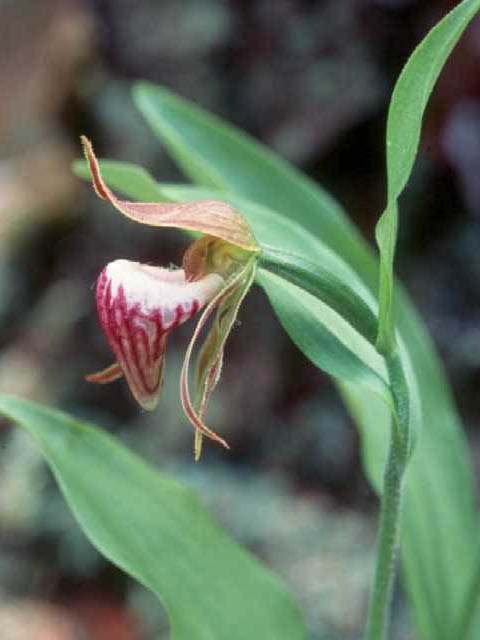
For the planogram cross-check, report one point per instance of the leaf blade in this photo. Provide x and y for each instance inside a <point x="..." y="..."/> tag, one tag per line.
<point x="407" y="106"/>
<point x="324" y="285"/>
<point x="324" y="337"/>
<point x="156" y="530"/>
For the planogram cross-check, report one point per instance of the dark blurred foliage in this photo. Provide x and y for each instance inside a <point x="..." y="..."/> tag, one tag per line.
<point x="312" y="80"/>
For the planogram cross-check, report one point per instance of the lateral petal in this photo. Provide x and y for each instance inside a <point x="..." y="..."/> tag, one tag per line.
<point x="209" y="377"/>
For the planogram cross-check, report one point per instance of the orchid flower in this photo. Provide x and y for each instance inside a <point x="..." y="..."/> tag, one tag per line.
<point x="139" y="305"/>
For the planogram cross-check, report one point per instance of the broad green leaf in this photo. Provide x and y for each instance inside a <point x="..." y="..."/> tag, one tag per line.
<point x="439" y="505"/>
<point x="156" y="530"/>
<point x="208" y="161"/>
<point x="407" y="106"/>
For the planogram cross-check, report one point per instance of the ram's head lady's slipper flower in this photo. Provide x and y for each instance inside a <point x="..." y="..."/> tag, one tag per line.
<point x="139" y="305"/>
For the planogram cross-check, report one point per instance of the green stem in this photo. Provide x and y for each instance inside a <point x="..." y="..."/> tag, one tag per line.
<point x="380" y="599"/>
<point x="471" y="602"/>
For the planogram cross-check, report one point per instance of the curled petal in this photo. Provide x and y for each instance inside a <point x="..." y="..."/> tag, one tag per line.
<point x="138" y="307"/>
<point x="210" y="358"/>
<point x="236" y="289"/>
<point x="211" y="217"/>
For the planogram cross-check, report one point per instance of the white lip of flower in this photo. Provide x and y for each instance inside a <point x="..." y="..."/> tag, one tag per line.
<point x="138" y="306"/>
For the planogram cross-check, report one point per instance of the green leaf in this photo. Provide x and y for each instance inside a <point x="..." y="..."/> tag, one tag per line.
<point x="440" y="525"/>
<point x="325" y="337"/>
<point x="156" y="530"/>
<point x="407" y="106"/>
<point x="325" y="285"/>
<point x="216" y="155"/>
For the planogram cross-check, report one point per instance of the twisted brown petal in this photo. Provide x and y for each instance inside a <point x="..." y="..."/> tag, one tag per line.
<point x="213" y="360"/>
<point x="211" y="217"/>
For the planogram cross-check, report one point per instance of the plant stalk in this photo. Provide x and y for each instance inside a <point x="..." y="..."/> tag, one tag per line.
<point x="378" y="618"/>
<point x="472" y="602"/>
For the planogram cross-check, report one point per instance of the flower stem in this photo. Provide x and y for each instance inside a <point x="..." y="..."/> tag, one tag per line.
<point x="380" y="599"/>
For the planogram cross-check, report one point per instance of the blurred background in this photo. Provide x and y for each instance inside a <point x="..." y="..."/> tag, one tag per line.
<point x="311" y="79"/>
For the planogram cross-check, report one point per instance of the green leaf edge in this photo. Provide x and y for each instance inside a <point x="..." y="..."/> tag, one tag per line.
<point x="398" y="172"/>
